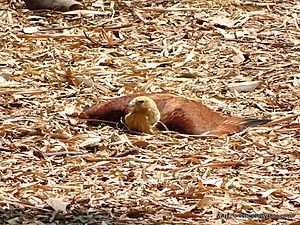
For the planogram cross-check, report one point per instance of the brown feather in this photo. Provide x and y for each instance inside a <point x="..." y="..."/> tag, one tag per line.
<point x="177" y="113"/>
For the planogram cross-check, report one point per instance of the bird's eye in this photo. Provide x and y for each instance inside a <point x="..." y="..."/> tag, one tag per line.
<point x="141" y="101"/>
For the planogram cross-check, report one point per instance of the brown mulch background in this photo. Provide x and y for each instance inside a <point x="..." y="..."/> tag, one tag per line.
<point x="57" y="170"/>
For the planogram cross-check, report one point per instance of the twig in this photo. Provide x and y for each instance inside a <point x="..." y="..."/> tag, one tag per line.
<point x="4" y="149"/>
<point x="54" y="36"/>
<point x="139" y="16"/>
<point x="118" y="27"/>
<point x="67" y="95"/>
<point x="281" y="45"/>
<point x="59" y="28"/>
<point x="164" y="125"/>
<point x="24" y="205"/>
<point x="126" y="153"/>
<point x="90" y="39"/>
<point x="275" y="122"/>
<point x="169" y="9"/>
<point x="204" y="135"/>
<point x="64" y="153"/>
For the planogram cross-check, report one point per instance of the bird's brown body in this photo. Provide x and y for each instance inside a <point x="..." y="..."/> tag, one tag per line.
<point x="143" y="116"/>
<point x="177" y="113"/>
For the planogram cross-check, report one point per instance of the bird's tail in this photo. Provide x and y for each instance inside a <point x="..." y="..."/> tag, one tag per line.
<point x="256" y="122"/>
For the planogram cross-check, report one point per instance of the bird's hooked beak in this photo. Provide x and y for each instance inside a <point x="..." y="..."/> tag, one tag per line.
<point x="131" y="104"/>
<point x="136" y="102"/>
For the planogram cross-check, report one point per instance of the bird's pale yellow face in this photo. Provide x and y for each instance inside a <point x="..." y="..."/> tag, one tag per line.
<point x="141" y="102"/>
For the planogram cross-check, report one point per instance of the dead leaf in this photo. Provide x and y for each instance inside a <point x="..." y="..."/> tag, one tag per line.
<point x="239" y="56"/>
<point x="86" y="13"/>
<point x="224" y="164"/>
<point x="58" y="204"/>
<point x="268" y="192"/>
<point x="30" y="30"/>
<point x="187" y="215"/>
<point x="247" y="86"/>
<point x="204" y="202"/>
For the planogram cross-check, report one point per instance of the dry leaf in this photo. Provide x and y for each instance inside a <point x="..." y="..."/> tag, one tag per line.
<point x="30" y="30"/>
<point x="204" y="202"/>
<point x="58" y="204"/>
<point x="90" y="141"/>
<point x="268" y="192"/>
<point x="238" y="57"/>
<point x="86" y="13"/>
<point x="187" y="215"/>
<point x="243" y="86"/>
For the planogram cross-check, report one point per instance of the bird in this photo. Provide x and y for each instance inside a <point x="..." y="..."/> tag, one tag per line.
<point x="143" y="116"/>
<point x="177" y="113"/>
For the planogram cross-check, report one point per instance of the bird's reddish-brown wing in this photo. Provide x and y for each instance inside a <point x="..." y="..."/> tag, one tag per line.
<point x="185" y="115"/>
<point x="177" y="113"/>
<point x="112" y="110"/>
